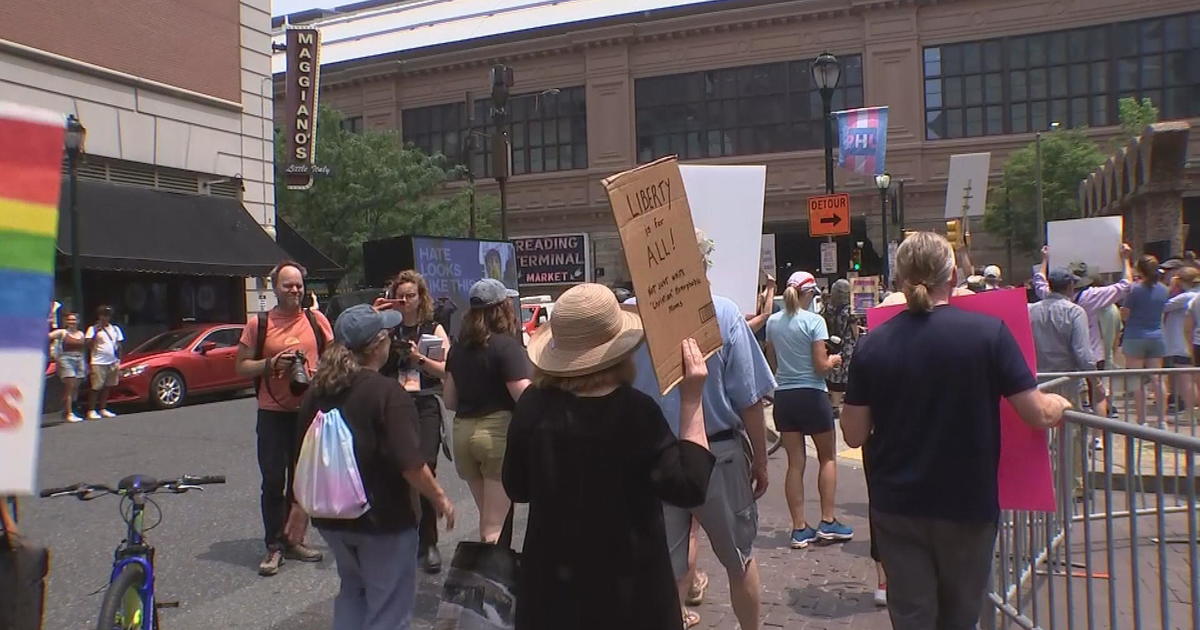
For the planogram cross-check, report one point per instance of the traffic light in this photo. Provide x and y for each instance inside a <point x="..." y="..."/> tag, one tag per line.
<point x="856" y="259"/>
<point x="954" y="233"/>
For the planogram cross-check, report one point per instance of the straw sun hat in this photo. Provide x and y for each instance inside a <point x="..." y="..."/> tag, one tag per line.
<point x="588" y="332"/>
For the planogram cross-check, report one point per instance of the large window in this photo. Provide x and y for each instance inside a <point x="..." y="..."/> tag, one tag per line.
<point x="548" y="131"/>
<point x="765" y="108"/>
<point x="1075" y="77"/>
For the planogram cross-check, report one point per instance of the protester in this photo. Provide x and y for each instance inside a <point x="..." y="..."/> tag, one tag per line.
<point x="765" y="303"/>
<point x="993" y="278"/>
<point x="924" y="396"/>
<point x="486" y="372"/>
<point x="841" y="324"/>
<point x="796" y="349"/>
<point x="103" y="340"/>
<point x="1176" y="339"/>
<point x="595" y="459"/>
<point x="66" y="347"/>
<point x="376" y="553"/>
<point x="268" y="350"/>
<point x="739" y="380"/>
<point x="1143" y="345"/>
<point x="421" y="376"/>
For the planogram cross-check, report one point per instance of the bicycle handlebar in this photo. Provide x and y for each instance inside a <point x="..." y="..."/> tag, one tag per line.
<point x="83" y="490"/>
<point x="202" y="480"/>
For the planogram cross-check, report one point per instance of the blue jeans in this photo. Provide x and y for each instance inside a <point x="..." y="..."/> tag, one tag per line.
<point x="379" y="579"/>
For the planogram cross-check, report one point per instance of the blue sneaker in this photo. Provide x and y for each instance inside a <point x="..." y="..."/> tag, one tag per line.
<point x="802" y="537"/>
<point x="834" y="532"/>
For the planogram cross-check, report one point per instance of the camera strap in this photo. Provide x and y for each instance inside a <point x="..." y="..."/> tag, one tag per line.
<point x="260" y="343"/>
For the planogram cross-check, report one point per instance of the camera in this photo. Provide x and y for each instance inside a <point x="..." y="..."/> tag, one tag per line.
<point x="833" y="344"/>
<point x="298" y="377"/>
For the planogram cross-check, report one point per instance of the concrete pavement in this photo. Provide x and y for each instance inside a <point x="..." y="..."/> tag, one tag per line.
<point x="209" y="543"/>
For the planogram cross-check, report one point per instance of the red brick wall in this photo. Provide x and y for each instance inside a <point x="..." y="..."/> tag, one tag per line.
<point x="192" y="44"/>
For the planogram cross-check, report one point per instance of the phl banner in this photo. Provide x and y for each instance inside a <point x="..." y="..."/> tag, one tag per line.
<point x="862" y="139"/>
<point x="31" y="147"/>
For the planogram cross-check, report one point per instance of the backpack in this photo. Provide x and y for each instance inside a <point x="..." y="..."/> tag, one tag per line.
<point x="328" y="483"/>
<point x="261" y="339"/>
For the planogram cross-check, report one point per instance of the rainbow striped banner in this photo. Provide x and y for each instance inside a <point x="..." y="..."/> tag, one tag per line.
<point x="31" y="150"/>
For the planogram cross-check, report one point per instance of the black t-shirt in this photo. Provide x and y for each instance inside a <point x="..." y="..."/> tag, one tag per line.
<point x="383" y="419"/>
<point x="933" y="382"/>
<point x="401" y="334"/>
<point x="482" y="372"/>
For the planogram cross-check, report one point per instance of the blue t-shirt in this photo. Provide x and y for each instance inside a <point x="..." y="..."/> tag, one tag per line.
<point x="792" y="337"/>
<point x="1145" y="306"/>
<point x="738" y="374"/>
<point x="933" y="383"/>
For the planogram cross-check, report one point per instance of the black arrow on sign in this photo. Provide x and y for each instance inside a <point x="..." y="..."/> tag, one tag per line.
<point x="835" y="219"/>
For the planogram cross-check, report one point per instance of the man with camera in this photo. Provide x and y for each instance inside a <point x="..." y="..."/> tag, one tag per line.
<point x="280" y="349"/>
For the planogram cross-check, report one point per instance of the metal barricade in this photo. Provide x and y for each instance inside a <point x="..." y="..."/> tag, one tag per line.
<point x="1121" y="549"/>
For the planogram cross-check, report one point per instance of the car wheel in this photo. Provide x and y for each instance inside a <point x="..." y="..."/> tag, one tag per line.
<point x="167" y="390"/>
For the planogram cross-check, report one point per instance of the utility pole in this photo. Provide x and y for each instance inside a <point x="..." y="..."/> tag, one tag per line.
<point x="502" y="81"/>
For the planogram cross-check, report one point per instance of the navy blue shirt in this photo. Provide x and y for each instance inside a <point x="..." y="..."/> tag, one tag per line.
<point x="933" y="382"/>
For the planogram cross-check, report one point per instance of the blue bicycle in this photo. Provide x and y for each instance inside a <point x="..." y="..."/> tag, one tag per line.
<point x="129" y="599"/>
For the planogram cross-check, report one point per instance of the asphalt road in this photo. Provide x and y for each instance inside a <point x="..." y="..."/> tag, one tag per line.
<point x="208" y="543"/>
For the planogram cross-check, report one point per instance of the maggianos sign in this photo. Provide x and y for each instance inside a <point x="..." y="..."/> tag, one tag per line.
<point x="303" y="76"/>
<point x="553" y="259"/>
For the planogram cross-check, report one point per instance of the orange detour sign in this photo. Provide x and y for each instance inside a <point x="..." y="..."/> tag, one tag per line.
<point x="829" y="215"/>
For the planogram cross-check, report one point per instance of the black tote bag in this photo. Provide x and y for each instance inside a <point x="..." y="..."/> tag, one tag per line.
<point x="480" y="591"/>
<point x="23" y="571"/>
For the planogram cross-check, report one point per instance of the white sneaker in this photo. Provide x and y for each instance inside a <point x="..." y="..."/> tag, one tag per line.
<point x="92" y="415"/>
<point x="107" y="414"/>
<point x="881" y="596"/>
<point x="74" y="418"/>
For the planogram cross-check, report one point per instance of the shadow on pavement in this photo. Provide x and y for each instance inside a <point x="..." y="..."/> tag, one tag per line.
<point x="849" y="599"/>
<point x="242" y="553"/>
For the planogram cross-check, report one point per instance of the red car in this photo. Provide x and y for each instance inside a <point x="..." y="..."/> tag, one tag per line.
<point x="194" y="359"/>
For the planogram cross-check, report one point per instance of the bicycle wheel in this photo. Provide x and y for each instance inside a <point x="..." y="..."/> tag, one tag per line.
<point x="122" y="608"/>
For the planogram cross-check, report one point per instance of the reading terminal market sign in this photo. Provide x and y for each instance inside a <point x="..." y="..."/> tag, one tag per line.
<point x="302" y="79"/>
<point x="553" y="259"/>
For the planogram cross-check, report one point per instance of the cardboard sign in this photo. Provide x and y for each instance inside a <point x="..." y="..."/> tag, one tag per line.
<point x="654" y="220"/>
<point x="829" y="215"/>
<point x="966" y="192"/>
<point x="727" y="205"/>
<point x="1095" y="241"/>
<point x="769" y="262"/>
<point x="31" y="151"/>
<point x="1025" y="479"/>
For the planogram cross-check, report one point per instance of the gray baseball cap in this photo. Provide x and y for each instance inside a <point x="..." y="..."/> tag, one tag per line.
<point x="358" y="325"/>
<point x="490" y="292"/>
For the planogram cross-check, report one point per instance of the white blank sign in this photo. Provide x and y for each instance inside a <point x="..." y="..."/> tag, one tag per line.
<point x="727" y="205"/>
<point x="1095" y="241"/>
<point x="968" y="185"/>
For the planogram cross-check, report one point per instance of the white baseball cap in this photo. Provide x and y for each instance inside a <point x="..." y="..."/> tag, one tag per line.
<point x="992" y="271"/>
<point x="803" y="281"/>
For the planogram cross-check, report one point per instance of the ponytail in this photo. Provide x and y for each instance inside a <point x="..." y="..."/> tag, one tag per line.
<point x="791" y="301"/>
<point x="1147" y="265"/>
<point x="924" y="261"/>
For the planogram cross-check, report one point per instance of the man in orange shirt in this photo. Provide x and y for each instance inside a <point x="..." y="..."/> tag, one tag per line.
<point x="268" y="356"/>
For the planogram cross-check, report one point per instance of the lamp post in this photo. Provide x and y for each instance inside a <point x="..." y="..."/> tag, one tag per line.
<point x="73" y="140"/>
<point x="883" y="182"/>
<point x="1037" y="157"/>
<point x="502" y="80"/>
<point x="826" y="73"/>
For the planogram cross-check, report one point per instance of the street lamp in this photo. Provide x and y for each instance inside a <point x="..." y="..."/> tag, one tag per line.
<point x="883" y="182"/>
<point x="502" y="81"/>
<point x="826" y="72"/>
<point x="74" y="138"/>
<point x="1041" y="212"/>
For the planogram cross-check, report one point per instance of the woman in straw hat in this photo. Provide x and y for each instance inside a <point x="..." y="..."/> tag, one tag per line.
<point x="595" y="459"/>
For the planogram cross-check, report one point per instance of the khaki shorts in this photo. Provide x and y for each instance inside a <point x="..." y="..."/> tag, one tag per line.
<point x="479" y="445"/>
<point x="105" y="375"/>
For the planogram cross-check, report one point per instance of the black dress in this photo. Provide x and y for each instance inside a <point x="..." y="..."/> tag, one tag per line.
<point x="594" y="472"/>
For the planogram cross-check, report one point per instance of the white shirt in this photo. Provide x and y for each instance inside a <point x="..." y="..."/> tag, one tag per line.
<point x="104" y="351"/>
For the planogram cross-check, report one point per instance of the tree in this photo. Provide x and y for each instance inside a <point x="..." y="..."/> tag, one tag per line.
<point x="1135" y="117"/>
<point x="379" y="188"/>
<point x="1067" y="157"/>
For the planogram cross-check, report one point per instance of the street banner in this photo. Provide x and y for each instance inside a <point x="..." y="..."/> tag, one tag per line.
<point x="967" y="188"/>
<point x="1024" y="475"/>
<point x="651" y="210"/>
<point x="767" y="248"/>
<point x="1095" y="241"/>
<point x="553" y="259"/>
<point x="31" y="151"/>
<point x="727" y="205"/>
<point x="862" y="136"/>
<point x="302" y="86"/>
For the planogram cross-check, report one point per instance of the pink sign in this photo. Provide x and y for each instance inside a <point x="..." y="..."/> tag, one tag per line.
<point x="1025" y="477"/>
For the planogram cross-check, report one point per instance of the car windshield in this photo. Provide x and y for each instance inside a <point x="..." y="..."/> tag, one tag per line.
<point x="526" y="315"/>
<point x="170" y="340"/>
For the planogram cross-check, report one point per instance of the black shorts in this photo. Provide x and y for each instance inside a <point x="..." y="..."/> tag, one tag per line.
<point x="836" y="387"/>
<point x="803" y="410"/>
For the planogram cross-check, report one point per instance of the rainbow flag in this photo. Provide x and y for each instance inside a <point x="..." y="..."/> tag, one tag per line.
<point x="31" y="150"/>
<point x="862" y="139"/>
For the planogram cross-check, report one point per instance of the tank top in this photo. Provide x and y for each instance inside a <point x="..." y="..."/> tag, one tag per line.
<point x="72" y="342"/>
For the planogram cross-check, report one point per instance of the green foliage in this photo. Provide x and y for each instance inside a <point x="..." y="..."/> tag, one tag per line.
<point x="1135" y="116"/>
<point x="1067" y="157"/>
<point x="379" y="188"/>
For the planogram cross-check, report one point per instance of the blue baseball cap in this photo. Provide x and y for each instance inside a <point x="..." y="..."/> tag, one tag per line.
<point x="1061" y="278"/>
<point x="489" y="292"/>
<point x="358" y="325"/>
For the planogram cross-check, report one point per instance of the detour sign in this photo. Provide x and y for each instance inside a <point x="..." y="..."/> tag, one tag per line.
<point x="829" y="215"/>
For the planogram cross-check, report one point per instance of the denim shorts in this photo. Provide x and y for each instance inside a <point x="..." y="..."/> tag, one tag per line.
<point x="70" y="365"/>
<point x="1143" y="348"/>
